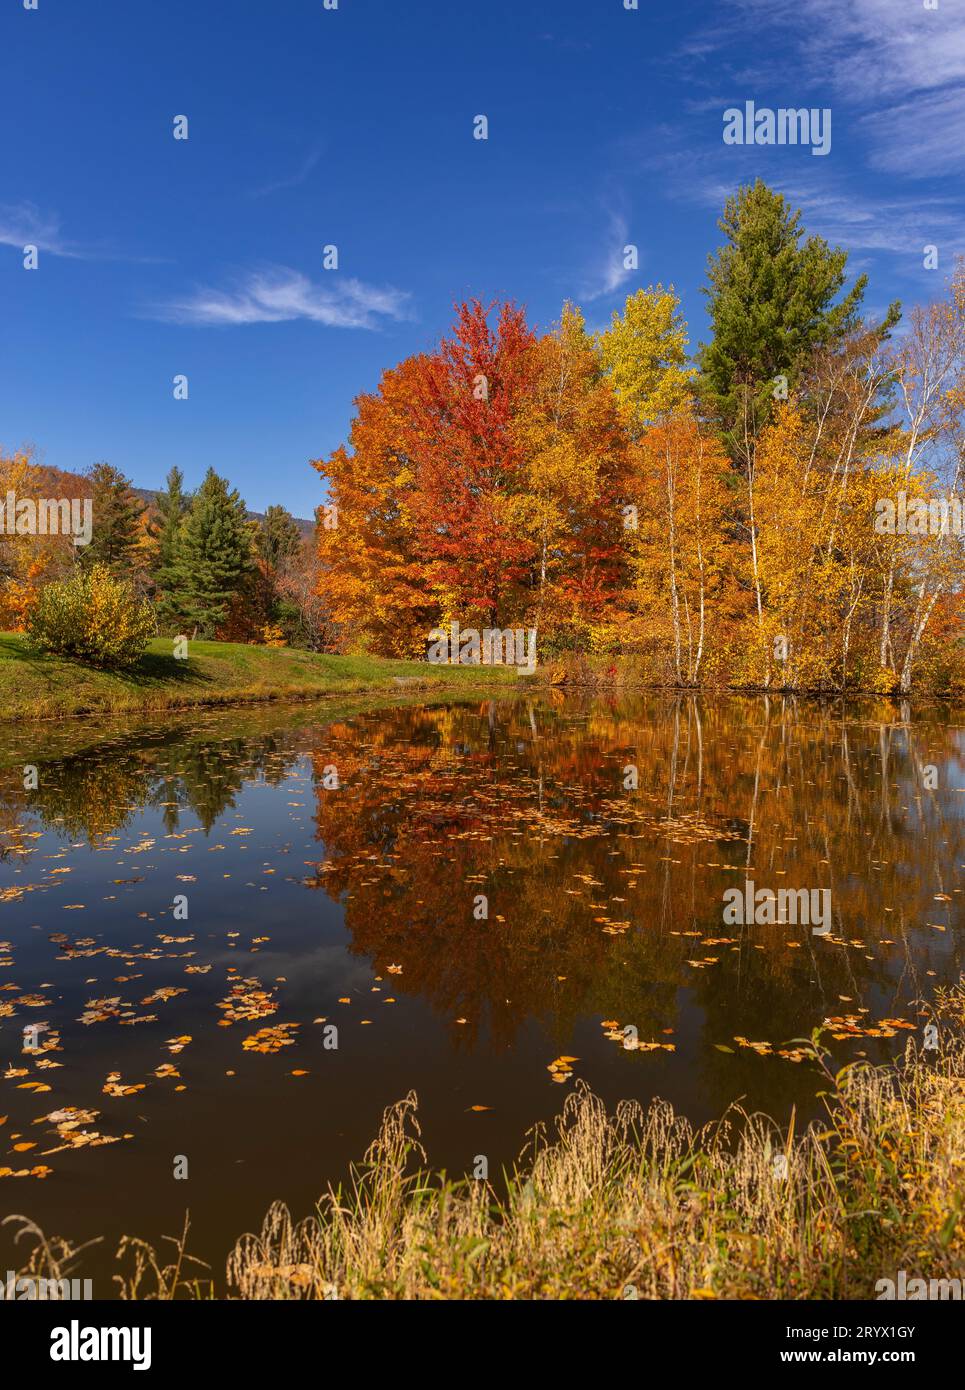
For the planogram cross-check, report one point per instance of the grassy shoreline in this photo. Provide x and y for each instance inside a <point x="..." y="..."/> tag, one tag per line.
<point x="216" y="673"/>
<point x="35" y="687"/>
<point x="632" y="1205"/>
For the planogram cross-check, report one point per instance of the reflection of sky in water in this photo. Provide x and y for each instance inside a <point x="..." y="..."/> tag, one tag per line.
<point x="605" y="907"/>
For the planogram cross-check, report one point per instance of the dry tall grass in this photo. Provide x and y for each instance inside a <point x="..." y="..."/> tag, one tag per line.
<point x="640" y="1204"/>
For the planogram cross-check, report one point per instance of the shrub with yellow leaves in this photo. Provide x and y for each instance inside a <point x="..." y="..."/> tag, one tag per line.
<point x="93" y="617"/>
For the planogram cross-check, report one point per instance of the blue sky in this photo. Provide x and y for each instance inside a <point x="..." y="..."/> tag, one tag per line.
<point x="354" y="127"/>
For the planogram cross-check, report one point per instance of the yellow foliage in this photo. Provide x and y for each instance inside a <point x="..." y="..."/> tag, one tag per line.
<point x="93" y="617"/>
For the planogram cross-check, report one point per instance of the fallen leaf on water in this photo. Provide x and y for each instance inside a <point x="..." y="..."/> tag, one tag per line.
<point x="269" y="1039"/>
<point x="114" y="1086"/>
<point x="560" y="1070"/>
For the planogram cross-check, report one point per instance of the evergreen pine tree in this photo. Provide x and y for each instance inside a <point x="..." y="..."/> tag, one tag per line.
<point x="278" y="537"/>
<point x="772" y="303"/>
<point x="172" y="506"/>
<point x="118" y="516"/>
<point x="213" y="555"/>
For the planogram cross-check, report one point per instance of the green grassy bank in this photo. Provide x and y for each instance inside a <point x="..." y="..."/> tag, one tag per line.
<point x="216" y="673"/>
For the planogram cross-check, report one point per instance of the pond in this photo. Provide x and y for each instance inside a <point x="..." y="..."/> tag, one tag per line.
<point x="228" y="941"/>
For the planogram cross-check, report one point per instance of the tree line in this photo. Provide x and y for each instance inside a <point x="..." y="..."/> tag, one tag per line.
<point x="714" y="519"/>
<point x="707" y="518"/>
<point x="207" y="568"/>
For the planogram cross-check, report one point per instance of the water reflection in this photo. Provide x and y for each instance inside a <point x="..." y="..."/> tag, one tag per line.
<point x="604" y="898"/>
<point x="339" y="859"/>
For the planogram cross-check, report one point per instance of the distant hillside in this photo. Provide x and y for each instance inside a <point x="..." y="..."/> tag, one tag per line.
<point x="59" y="483"/>
<point x="149" y="496"/>
<point x="48" y="481"/>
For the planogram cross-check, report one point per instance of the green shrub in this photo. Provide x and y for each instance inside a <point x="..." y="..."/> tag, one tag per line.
<point x="94" y="617"/>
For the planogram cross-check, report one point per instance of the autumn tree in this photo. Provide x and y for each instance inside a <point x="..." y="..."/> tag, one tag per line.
<point x="929" y="368"/>
<point x="372" y="563"/>
<point x="470" y="465"/>
<point x="484" y="484"/>
<point x="29" y="561"/>
<point x="814" y="540"/>
<point x="644" y="356"/>
<point x="573" y="488"/>
<point x="831" y="582"/>
<point x="680" y="500"/>
<point x="302" y="611"/>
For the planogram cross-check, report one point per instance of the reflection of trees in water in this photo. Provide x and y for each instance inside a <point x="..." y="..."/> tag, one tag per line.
<point x="437" y="805"/>
<point x="100" y="791"/>
<point x="525" y="802"/>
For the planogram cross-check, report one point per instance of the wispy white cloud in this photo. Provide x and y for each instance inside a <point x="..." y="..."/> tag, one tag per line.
<point x="864" y="221"/>
<point x="870" y="49"/>
<point x="610" y="273"/>
<point x="292" y="180"/>
<point x="280" y="295"/>
<point x="573" y="45"/>
<point x="922" y="136"/>
<point x="857" y="216"/>
<point x="23" y="224"/>
<point x="898" y="67"/>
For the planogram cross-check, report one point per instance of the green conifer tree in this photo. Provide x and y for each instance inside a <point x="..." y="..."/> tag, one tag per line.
<point x="172" y="507"/>
<point x="773" y="300"/>
<point x="117" y="523"/>
<point x="278" y="537"/>
<point x="213" y="555"/>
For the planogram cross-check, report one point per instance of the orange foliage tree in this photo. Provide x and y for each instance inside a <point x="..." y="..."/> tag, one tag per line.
<point x="27" y="562"/>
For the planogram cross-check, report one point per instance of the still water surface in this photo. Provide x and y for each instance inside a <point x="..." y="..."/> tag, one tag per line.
<point x="171" y="889"/>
